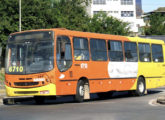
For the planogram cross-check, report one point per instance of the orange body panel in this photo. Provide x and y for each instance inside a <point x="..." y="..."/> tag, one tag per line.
<point x="96" y="73"/>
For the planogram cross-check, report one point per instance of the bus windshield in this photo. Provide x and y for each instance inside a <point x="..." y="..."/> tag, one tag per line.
<point x="29" y="56"/>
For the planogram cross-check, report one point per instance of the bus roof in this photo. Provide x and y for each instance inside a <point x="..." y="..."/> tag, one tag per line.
<point x="64" y="31"/>
<point x="138" y="39"/>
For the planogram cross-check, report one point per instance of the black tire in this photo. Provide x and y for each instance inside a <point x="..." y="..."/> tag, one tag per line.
<point x="141" y="87"/>
<point x="39" y="100"/>
<point x="105" y="95"/>
<point x="80" y="91"/>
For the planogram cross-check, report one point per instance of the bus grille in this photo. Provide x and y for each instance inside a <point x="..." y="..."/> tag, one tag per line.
<point x="25" y="78"/>
<point x="26" y="83"/>
<point x="26" y="92"/>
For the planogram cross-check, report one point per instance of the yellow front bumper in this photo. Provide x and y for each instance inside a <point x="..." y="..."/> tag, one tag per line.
<point x="48" y="90"/>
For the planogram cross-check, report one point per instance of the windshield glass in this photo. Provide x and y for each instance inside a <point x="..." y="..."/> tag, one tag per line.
<point x="32" y="56"/>
<point x="15" y="58"/>
<point x="39" y="57"/>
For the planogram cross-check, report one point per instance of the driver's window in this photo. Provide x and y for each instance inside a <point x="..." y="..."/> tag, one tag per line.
<point x="63" y="53"/>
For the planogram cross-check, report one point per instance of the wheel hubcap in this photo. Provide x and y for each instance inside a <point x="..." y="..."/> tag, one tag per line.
<point x="81" y="91"/>
<point x="141" y="87"/>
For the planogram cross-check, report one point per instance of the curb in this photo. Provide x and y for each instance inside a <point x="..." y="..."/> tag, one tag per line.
<point x="161" y="100"/>
<point x="15" y="100"/>
<point x="1" y="100"/>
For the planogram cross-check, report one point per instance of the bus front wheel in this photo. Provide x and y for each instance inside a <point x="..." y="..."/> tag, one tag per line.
<point x="141" y="87"/>
<point x="80" y="91"/>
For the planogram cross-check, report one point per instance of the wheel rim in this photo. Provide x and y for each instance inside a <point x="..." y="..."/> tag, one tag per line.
<point x="81" y="91"/>
<point x="141" y="87"/>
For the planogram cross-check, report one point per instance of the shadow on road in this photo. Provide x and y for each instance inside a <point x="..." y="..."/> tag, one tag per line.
<point x="70" y="99"/>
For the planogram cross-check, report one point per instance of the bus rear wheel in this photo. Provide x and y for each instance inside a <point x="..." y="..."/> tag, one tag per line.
<point x="80" y="91"/>
<point x="141" y="87"/>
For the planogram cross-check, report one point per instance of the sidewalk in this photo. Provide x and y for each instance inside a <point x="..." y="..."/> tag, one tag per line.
<point x="2" y="95"/>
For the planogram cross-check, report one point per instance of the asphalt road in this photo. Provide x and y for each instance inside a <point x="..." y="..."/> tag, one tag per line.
<point x="120" y="107"/>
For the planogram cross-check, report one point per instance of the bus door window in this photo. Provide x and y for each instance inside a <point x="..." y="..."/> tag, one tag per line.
<point x="81" y="50"/>
<point x="64" y="53"/>
<point x="144" y="52"/>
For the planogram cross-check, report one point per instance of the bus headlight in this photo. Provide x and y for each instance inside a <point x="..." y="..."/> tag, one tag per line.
<point x="44" y="92"/>
<point x="38" y="79"/>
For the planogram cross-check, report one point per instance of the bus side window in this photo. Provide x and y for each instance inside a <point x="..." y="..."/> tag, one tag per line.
<point x="63" y="53"/>
<point x="157" y="53"/>
<point x="144" y="52"/>
<point x="115" y="51"/>
<point x="98" y="50"/>
<point x="81" y="50"/>
<point x="130" y="49"/>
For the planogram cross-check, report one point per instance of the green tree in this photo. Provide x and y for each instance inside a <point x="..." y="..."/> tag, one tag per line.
<point x="156" y="24"/>
<point x="35" y="14"/>
<point x="8" y="19"/>
<point x="102" y="23"/>
<point x="70" y="14"/>
<point x="41" y="14"/>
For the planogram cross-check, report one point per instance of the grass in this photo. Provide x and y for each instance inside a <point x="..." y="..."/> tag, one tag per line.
<point x="2" y="75"/>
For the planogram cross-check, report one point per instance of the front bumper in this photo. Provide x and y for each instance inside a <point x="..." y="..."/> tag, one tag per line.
<point x="48" y="90"/>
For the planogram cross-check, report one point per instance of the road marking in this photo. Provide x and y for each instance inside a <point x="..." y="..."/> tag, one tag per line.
<point x="87" y="103"/>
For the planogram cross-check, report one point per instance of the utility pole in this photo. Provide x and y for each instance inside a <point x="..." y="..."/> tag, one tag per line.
<point x="20" y="15"/>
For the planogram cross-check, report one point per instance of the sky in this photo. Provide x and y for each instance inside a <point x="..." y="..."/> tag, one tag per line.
<point x="150" y="5"/>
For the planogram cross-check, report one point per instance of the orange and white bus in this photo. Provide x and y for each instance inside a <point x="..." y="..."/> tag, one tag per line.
<point x="58" y="62"/>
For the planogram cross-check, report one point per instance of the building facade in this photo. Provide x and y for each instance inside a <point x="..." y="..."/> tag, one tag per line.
<point x="139" y="10"/>
<point x="125" y="10"/>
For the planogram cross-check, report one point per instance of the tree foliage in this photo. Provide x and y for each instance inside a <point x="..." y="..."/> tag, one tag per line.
<point x="41" y="14"/>
<point x="156" y="24"/>
<point x="70" y="14"/>
<point x="102" y="23"/>
<point x="8" y="19"/>
<point x="160" y="9"/>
